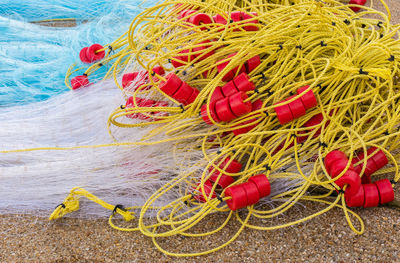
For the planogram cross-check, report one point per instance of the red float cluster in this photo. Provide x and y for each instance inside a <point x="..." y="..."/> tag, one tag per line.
<point x="356" y="2"/>
<point x="227" y="109"/>
<point x="222" y="96"/>
<point x="248" y="67"/>
<point x="178" y="89"/>
<point x="140" y="102"/>
<point x="92" y="54"/>
<point x="335" y="163"/>
<point x="254" y="107"/>
<point x="357" y="193"/>
<point x="222" y="180"/>
<point x="297" y="108"/>
<point x="374" y="163"/>
<point x="199" y="53"/>
<point x="371" y="195"/>
<point x="249" y="193"/>
<point x="79" y="82"/>
<point x="140" y="77"/>
<point x="236" y="16"/>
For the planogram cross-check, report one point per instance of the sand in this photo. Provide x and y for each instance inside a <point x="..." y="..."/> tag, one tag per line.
<point x="327" y="238"/>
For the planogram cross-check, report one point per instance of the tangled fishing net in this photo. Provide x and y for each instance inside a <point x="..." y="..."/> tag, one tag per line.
<point x="243" y="109"/>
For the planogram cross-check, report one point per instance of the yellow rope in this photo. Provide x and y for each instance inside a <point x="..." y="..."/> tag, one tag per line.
<point x="349" y="60"/>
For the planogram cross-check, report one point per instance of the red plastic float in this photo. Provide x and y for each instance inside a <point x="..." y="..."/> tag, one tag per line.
<point x="171" y="85"/>
<point x="237" y="104"/>
<point x="335" y="163"/>
<point x="354" y="200"/>
<point x="296" y="107"/>
<point x="199" y="19"/>
<point x="242" y="83"/>
<point x="95" y="53"/>
<point x="204" y="115"/>
<point x="82" y="55"/>
<point x="178" y="89"/>
<point x="222" y="180"/>
<point x="262" y="183"/>
<point x="223" y="110"/>
<point x="356" y="2"/>
<point x="238" y="16"/>
<point x="252" y="15"/>
<point x="371" y="195"/>
<point x="207" y="189"/>
<point x="248" y="193"/>
<point x="374" y="163"/>
<point x="252" y="63"/>
<point x="385" y="189"/>
<point x="229" y="89"/>
<point x="287" y="113"/>
<point x="79" y="82"/>
<point x="309" y="100"/>
<point x="239" y="197"/>
<point x="255" y="106"/>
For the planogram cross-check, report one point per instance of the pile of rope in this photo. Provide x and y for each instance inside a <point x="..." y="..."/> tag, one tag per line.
<point x="285" y="102"/>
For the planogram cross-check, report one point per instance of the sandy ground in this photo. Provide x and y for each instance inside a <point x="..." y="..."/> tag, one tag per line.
<point x="327" y="238"/>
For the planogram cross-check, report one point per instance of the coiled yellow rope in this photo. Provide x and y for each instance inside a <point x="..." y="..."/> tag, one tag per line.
<point x="349" y="60"/>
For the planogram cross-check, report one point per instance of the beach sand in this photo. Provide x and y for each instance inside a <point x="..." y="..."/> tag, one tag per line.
<point x="327" y="238"/>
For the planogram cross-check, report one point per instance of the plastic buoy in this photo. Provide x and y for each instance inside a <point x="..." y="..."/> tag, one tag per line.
<point x="222" y="180"/>
<point x="186" y="13"/>
<point x="229" y="89"/>
<point x="183" y="94"/>
<point x="171" y="85"/>
<point x="332" y="157"/>
<point x="79" y="82"/>
<point x="308" y="98"/>
<point x="82" y="55"/>
<point x="219" y="19"/>
<point x="252" y="193"/>
<point x="229" y="166"/>
<point x="356" y="2"/>
<point x="352" y="180"/>
<point x="193" y="97"/>
<point x="339" y="166"/>
<point x="262" y="183"/>
<point x="252" y="63"/>
<point x="223" y="110"/>
<point x="237" y="104"/>
<point x="296" y="107"/>
<point x="284" y="114"/>
<point x="354" y="200"/>
<point x="204" y="115"/>
<point x="238" y="197"/>
<point x="254" y="106"/>
<point x="207" y="189"/>
<point x="385" y="189"/>
<point x="371" y="195"/>
<point x="182" y="59"/>
<point x="95" y="53"/>
<point x="216" y="95"/>
<point x="200" y="19"/>
<point x="252" y="15"/>
<point x="374" y="163"/>
<point x="231" y="74"/>
<point x="248" y="193"/>
<point x="243" y="83"/>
